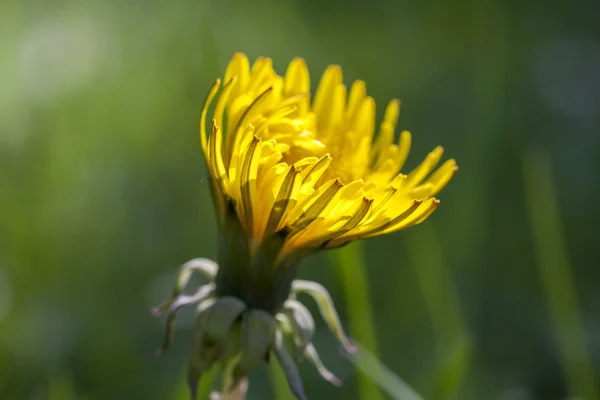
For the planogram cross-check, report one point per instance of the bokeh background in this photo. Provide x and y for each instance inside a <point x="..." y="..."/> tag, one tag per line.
<point x="103" y="192"/>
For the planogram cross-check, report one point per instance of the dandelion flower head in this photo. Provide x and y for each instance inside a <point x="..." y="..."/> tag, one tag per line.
<point x="315" y="172"/>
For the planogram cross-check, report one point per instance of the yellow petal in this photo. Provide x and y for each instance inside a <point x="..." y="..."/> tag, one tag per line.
<point x="221" y="102"/>
<point x="358" y="91"/>
<point x="297" y="82"/>
<point x="247" y="182"/>
<point x="216" y="160"/>
<point x="284" y="198"/>
<point x="238" y="66"/>
<point x="404" y="146"/>
<point x="314" y="204"/>
<point x="237" y="155"/>
<point x="332" y="78"/>
<point x="424" y="209"/>
<point x="261" y="75"/>
<point x="311" y="175"/>
<point x="442" y="176"/>
<point x="392" y="112"/>
<point x="209" y="97"/>
<point x="343" y="225"/>
<point x="419" y="173"/>
<point x="268" y="180"/>
<point x="232" y="140"/>
<point x="364" y="122"/>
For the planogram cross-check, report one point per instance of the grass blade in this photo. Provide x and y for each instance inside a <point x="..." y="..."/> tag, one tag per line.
<point x="380" y="374"/>
<point x="556" y="275"/>
<point x="452" y="342"/>
<point x="351" y="271"/>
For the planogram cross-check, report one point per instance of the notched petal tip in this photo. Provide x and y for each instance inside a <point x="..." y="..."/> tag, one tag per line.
<point x="455" y="164"/>
<point x="231" y="80"/>
<point x="392" y="112"/>
<point x="334" y="68"/>
<point x="299" y="60"/>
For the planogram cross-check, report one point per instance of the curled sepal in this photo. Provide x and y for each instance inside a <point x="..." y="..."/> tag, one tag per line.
<point x="289" y="367"/>
<point x="311" y="354"/>
<point x="327" y="309"/>
<point x="257" y="334"/>
<point x="296" y="320"/>
<point x="302" y="323"/>
<point x="203" y="293"/>
<point x="205" y="266"/>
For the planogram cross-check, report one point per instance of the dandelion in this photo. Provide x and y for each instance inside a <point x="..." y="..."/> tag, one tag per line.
<point x="290" y="177"/>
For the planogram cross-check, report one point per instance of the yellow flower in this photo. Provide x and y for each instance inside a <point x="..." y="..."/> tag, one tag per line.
<point x="315" y="173"/>
<point x="290" y="177"/>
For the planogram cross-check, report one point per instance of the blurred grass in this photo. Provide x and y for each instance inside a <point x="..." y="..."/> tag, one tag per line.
<point x="373" y="368"/>
<point x="556" y="274"/>
<point x="452" y="343"/>
<point x="60" y="388"/>
<point x="351" y="272"/>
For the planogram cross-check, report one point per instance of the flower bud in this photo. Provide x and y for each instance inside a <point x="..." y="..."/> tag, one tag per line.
<point x="211" y="332"/>
<point x="258" y="330"/>
<point x="219" y="319"/>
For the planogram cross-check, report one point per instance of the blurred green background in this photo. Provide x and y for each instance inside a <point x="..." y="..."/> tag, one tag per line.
<point x="103" y="192"/>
